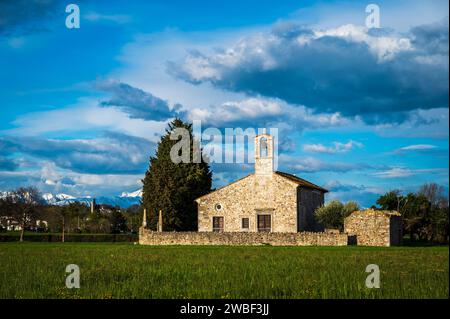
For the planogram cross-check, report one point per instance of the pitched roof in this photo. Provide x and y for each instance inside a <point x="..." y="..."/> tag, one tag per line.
<point x="301" y="181"/>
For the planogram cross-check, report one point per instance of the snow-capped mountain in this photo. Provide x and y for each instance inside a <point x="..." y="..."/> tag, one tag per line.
<point x="125" y="200"/>
<point x="121" y="201"/>
<point x="53" y="199"/>
<point x="137" y="193"/>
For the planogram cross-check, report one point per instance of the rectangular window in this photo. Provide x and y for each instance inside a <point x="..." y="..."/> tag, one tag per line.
<point x="245" y="223"/>
<point x="218" y="224"/>
<point x="264" y="223"/>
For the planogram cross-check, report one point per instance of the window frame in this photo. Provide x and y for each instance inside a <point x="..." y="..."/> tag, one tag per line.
<point x="265" y="219"/>
<point x="247" y="221"/>
<point x="220" y="222"/>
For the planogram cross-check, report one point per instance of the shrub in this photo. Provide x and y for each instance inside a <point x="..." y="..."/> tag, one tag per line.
<point x="332" y="215"/>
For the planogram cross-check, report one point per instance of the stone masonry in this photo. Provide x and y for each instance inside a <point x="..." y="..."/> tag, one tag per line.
<point x="374" y="228"/>
<point x="274" y="208"/>
<point x="149" y="237"/>
<point x="288" y="200"/>
<point x="247" y="198"/>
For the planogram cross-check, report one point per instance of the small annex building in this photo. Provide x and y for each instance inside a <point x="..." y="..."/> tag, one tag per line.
<point x="372" y="227"/>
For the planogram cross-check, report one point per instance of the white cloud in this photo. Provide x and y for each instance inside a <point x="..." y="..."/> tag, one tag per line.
<point x="116" y="18"/>
<point x="337" y="147"/>
<point x="144" y="65"/>
<point x="364" y="195"/>
<point x="384" y="47"/>
<point x="400" y="14"/>
<point x="52" y="179"/>
<point x="251" y="112"/>
<point x="417" y="147"/>
<point x="400" y="172"/>
<point x="395" y="173"/>
<point x="349" y="69"/>
<point x="431" y="123"/>
<point x="312" y="165"/>
<point x="85" y="115"/>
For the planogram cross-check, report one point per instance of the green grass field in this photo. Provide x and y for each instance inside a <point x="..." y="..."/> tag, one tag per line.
<point x="37" y="270"/>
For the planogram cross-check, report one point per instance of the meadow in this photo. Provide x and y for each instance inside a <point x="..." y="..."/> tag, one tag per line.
<point x="124" y="270"/>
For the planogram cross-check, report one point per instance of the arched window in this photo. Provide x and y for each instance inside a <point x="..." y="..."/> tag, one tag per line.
<point x="263" y="147"/>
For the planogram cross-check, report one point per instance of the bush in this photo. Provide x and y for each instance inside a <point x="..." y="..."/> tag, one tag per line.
<point x="332" y="214"/>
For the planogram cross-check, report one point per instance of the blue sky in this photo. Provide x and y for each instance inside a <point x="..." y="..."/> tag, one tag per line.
<point x="359" y="111"/>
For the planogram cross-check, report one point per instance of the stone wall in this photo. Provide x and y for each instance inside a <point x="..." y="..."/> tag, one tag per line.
<point x="248" y="197"/>
<point x="148" y="237"/>
<point x="374" y="228"/>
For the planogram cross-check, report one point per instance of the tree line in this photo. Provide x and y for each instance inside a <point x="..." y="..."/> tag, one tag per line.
<point x="25" y="209"/>
<point x="425" y="213"/>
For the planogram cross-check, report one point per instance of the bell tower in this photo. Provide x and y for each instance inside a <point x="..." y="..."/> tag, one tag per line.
<point x="263" y="154"/>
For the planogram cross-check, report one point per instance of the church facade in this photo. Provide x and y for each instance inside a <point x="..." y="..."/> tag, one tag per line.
<point x="264" y="201"/>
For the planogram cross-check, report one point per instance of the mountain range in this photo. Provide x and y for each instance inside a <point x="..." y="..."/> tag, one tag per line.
<point x="125" y="200"/>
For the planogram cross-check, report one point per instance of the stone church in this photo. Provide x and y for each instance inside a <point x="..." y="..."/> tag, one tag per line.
<point x="264" y="201"/>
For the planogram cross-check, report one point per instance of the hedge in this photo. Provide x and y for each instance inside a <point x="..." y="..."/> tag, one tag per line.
<point x="56" y="237"/>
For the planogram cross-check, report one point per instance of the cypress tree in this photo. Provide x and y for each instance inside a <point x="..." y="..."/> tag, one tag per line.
<point x="172" y="188"/>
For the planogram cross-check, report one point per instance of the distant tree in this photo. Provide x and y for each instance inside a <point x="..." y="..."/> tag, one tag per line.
<point x="332" y="214"/>
<point x="98" y="223"/>
<point x="6" y="205"/>
<point x="391" y="201"/>
<point x="350" y="207"/>
<point x="425" y="213"/>
<point x="50" y="213"/>
<point x="415" y="212"/>
<point x="82" y="213"/>
<point x="173" y="187"/>
<point x="439" y="225"/>
<point x="64" y="213"/>
<point x="435" y="194"/>
<point x="26" y="203"/>
<point x="68" y="214"/>
<point x="436" y="223"/>
<point x="133" y="215"/>
<point x="118" y="222"/>
<point x="77" y="213"/>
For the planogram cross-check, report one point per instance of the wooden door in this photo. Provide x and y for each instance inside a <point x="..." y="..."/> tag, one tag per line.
<point x="218" y="223"/>
<point x="264" y="223"/>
